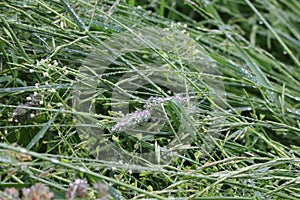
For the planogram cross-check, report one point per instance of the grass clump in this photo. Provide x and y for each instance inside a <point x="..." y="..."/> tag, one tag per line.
<point x="152" y="99"/>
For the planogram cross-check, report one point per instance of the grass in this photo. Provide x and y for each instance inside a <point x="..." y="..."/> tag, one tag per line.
<point x="154" y="99"/>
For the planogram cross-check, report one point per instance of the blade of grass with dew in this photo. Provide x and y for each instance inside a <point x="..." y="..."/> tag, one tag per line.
<point x="285" y="47"/>
<point x="41" y="133"/>
<point x="79" y="169"/>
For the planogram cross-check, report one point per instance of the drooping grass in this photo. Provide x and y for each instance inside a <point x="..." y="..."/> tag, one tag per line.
<point x="219" y="82"/>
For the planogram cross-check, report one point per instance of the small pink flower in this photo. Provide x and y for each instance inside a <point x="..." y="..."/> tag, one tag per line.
<point x="131" y="120"/>
<point x="138" y="117"/>
<point x="37" y="192"/>
<point x="13" y="193"/>
<point x="78" y="189"/>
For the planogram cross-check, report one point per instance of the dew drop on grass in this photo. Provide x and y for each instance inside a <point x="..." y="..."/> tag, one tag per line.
<point x="23" y="151"/>
<point x="82" y="169"/>
<point x="53" y="160"/>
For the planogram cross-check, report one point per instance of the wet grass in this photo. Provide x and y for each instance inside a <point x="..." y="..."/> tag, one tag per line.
<point x="156" y="99"/>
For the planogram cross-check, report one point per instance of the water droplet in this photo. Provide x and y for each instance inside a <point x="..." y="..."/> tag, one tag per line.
<point x="23" y="151"/>
<point x="82" y="169"/>
<point x="284" y="52"/>
<point x="53" y="160"/>
<point x="205" y="3"/>
<point x="260" y="22"/>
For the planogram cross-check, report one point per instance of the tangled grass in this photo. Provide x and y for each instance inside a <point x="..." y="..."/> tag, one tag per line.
<point x="72" y="71"/>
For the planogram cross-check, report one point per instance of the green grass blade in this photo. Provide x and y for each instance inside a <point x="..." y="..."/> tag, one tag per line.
<point x="42" y="132"/>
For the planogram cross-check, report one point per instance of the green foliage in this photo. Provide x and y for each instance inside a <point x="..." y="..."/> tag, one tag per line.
<point x="245" y="132"/>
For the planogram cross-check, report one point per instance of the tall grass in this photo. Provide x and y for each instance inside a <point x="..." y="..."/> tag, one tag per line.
<point x="217" y="81"/>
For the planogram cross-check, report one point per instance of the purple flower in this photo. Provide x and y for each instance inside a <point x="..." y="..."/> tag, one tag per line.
<point x="153" y="102"/>
<point x="138" y="117"/>
<point x="78" y="189"/>
<point x="37" y="192"/>
<point x="131" y="120"/>
<point x="182" y="100"/>
<point x="13" y="193"/>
